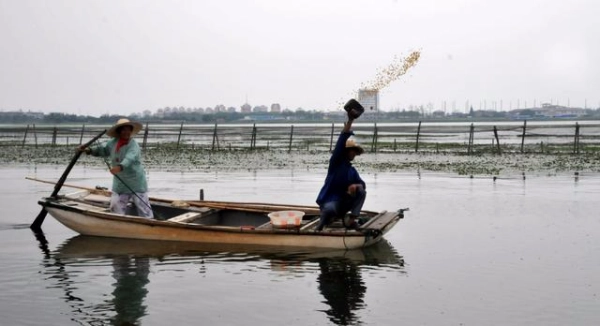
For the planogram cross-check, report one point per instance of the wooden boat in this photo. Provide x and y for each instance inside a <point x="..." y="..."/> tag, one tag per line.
<point x="87" y="212"/>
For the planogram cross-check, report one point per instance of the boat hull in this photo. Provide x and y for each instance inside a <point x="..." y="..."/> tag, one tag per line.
<point x="111" y="225"/>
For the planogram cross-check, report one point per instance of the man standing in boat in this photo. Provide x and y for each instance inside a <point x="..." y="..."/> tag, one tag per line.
<point x="344" y="191"/>
<point x="129" y="181"/>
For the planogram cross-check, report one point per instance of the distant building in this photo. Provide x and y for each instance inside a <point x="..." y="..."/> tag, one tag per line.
<point x="438" y="114"/>
<point x="556" y="111"/>
<point x="275" y="108"/>
<point x="260" y="108"/>
<point x="369" y="99"/>
<point x="231" y="109"/>
<point x="246" y="108"/>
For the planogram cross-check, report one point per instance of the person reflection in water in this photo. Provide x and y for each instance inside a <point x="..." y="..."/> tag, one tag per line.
<point x="343" y="288"/>
<point x="130" y="291"/>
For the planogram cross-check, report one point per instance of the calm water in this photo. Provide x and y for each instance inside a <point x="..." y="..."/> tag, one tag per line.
<point x="469" y="252"/>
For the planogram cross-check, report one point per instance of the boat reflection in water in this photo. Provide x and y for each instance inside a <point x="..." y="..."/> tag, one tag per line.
<point x="339" y="280"/>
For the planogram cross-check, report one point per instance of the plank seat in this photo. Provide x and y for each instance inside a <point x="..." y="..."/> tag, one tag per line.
<point x="380" y="221"/>
<point x="185" y="217"/>
<point x="97" y="198"/>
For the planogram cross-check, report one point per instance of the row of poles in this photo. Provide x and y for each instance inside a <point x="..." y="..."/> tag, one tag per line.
<point x="374" y="142"/>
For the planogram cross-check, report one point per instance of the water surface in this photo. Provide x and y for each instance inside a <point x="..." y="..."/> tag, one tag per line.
<point x="470" y="251"/>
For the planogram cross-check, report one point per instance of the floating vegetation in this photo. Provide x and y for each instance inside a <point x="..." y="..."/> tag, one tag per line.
<point x="167" y="158"/>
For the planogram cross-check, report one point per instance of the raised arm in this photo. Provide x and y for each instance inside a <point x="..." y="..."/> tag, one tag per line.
<point x="348" y="125"/>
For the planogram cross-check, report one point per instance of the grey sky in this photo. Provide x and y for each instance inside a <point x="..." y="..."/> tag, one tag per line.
<point x="120" y="57"/>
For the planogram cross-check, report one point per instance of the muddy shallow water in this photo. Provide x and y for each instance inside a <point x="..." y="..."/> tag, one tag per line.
<point x="471" y="251"/>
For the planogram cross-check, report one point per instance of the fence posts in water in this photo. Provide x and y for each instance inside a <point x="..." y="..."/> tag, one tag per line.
<point x="291" y="138"/>
<point x="471" y="136"/>
<point x="576" y="140"/>
<point x="145" y="141"/>
<point x="497" y="140"/>
<point x="179" y="137"/>
<point x="542" y="147"/>
<point x="374" y="141"/>
<point x="35" y="135"/>
<point x="25" y="137"/>
<point x="54" y="133"/>
<point x="253" y="138"/>
<point x="523" y="136"/>
<point x="81" y="136"/>
<point x="331" y="139"/>
<point x="418" y="135"/>
<point x="215" y="139"/>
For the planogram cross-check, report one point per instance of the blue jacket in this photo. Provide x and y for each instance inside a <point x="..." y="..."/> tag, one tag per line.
<point x="340" y="173"/>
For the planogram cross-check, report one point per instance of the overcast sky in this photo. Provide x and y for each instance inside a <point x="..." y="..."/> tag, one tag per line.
<point x="120" y="57"/>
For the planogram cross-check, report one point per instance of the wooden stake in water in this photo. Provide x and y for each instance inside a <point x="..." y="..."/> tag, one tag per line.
<point x="35" y="135"/>
<point x="25" y="136"/>
<point x="291" y="138"/>
<point x="418" y="135"/>
<point x="179" y="137"/>
<point x="497" y="140"/>
<point x="215" y="139"/>
<point x="374" y="141"/>
<point x="81" y="135"/>
<point x="253" y="139"/>
<point x="523" y="136"/>
<point x="471" y="136"/>
<point x="576" y="140"/>
<point x="145" y="141"/>
<point x="54" y="133"/>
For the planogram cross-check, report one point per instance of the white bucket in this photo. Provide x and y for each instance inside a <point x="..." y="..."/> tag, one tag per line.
<point x="286" y="219"/>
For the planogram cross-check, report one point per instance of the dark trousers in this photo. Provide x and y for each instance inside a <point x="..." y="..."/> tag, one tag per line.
<point x="332" y="209"/>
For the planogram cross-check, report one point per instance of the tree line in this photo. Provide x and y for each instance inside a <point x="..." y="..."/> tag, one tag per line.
<point x="286" y="115"/>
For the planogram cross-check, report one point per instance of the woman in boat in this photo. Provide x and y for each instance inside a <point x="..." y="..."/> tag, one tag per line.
<point x="343" y="190"/>
<point x="129" y="181"/>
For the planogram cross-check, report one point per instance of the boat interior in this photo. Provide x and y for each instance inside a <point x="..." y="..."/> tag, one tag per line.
<point x="228" y="217"/>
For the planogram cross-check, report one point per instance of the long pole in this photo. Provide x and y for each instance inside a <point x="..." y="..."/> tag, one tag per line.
<point x="37" y="223"/>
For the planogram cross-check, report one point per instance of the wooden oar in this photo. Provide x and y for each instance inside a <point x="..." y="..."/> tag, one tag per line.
<point x="37" y="223"/>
